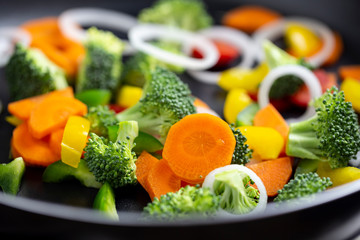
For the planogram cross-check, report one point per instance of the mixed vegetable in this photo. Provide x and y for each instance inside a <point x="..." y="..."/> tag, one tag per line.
<point x="82" y="111"/>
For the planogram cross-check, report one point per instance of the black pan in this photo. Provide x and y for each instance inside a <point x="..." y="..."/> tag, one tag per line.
<point x="62" y="211"/>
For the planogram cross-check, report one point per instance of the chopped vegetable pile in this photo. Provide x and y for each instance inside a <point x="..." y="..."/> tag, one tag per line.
<point x="133" y="121"/>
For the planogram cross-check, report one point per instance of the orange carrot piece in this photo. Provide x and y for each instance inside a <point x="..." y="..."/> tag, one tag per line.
<point x="200" y="103"/>
<point x="198" y="144"/>
<point x="144" y="164"/>
<point x="273" y="173"/>
<point x="249" y="18"/>
<point x="55" y="141"/>
<point x="34" y="151"/>
<point x="41" y="27"/>
<point x="22" y="108"/>
<point x="338" y="49"/>
<point x="351" y="71"/>
<point x="52" y="113"/>
<point x="161" y="180"/>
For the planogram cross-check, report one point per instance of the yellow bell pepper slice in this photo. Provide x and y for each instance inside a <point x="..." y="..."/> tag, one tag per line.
<point x="74" y="140"/>
<point x="301" y="40"/>
<point x="243" y="78"/>
<point x="338" y="176"/>
<point x="236" y="100"/>
<point x="267" y="143"/>
<point x="128" y="96"/>
<point x="351" y="88"/>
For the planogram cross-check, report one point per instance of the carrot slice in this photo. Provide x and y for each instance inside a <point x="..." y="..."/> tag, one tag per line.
<point x="34" y="151"/>
<point x="200" y="103"/>
<point x="273" y="173"/>
<point x="198" y="144"/>
<point x="350" y="71"/>
<point x="249" y="18"/>
<point x="338" y="49"/>
<point x="52" y="113"/>
<point x="22" y="108"/>
<point x="161" y="180"/>
<point x="144" y="164"/>
<point x="55" y="141"/>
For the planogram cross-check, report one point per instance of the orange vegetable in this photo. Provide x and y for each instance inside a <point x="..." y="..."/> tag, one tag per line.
<point x="198" y="144"/>
<point x="273" y="173"/>
<point x="200" y="103"/>
<point x="161" y="180"/>
<point x="52" y="113"/>
<point x="350" y="71"/>
<point x="34" y="151"/>
<point x="338" y="49"/>
<point x="144" y="164"/>
<point x="249" y="18"/>
<point x="22" y="108"/>
<point x="55" y="141"/>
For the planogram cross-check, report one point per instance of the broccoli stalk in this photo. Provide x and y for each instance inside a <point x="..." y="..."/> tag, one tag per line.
<point x="29" y="73"/>
<point x="331" y="135"/>
<point x="165" y="100"/>
<point x="113" y="162"/>
<point x="102" y="66"/>
<point x="236" y="194"/>
<point x="242" y="154"/>
<point x="303" y="185"/>
<point x="189" y="15"/>
<point x="187" y="202"/>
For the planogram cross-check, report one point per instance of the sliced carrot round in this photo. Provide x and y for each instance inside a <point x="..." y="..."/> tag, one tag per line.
<point x="198" y="144"/>
<point x="144" y="164"/>
<point x="55" y="141"/>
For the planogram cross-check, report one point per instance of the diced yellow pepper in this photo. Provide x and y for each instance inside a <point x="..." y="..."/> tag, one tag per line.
<point x="243" y="78"/>
<point x="338" y="176"/>
<point x="301" y="40"/>
<point x="351" y="88"/>
<point x="128" y="96"/>
<point x="74" y="140"/>
<point x="236" y="100"/>
<point x="266" y="142"/>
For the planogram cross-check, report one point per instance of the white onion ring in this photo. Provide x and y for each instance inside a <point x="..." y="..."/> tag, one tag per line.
<point x="276" y="29"/>
<point x="305" y="74"/>
<point x="140" y="33"/>
<point x="260" y="207"/>
<point x="206" y="110"/>
<point x="236" y="38"/>
<point x="9" y="36"/>
<point x="70" y="19"/>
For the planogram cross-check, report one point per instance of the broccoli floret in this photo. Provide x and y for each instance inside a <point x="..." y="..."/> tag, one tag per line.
<point x="165" y="100"/>
<point x="136" y="67"/>
<point x="100" y="118"/>
<point x="189" y="15"/>
<point x="102" y="66"/>
<point x="113" y="162"/>
<point x="236" y="194"/>
<point x="331" y="135"/>
<point x="303" y="185"/>
<point x="188" y="202"/>
<point x="29" y="73"/>
<point x="242" y="154"/>
<point x="11" y="175"/>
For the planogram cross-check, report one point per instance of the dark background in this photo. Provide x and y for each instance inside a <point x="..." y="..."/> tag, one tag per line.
<point x="335" y="220"/>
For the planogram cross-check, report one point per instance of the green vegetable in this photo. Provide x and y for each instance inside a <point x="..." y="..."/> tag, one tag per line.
<point x="185" y="14"/>
<point x="242" y="154"/>
<point x="165" y="100"/>
<point x="136" y="67"/>
<point x="303" y="185"/>
<point x="102" y="66"/>
<point x="236" y="194"/>
<point x="59" y="172"/>
<point x="331" y="135"/>
<point x="101" y="117"/>
<point x="105" y="201"/>
<point x="143" y="142"/>
<point x="246" y="116"/>
<point x="187" y="202"/>
<point x="94" y="97"/>
<point x="11" y="175"/>
<point x="113" y="162"/>
<point x="29" y="73"/>
<point x="306" y="166"/>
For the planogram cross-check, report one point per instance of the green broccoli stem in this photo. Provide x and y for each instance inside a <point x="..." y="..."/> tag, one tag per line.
<point x="128" y="131"/>
<point x="303" y="142"/>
